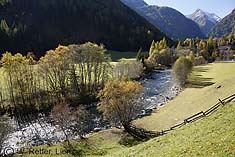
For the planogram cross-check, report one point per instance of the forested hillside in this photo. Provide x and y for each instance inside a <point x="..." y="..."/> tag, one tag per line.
<point x="39" y="25"/>
<point x="225" y="26"/>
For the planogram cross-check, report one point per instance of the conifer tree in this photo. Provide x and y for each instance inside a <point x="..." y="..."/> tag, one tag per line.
<point x="139" y="55"/>
<point x="179" y="45"/>
<point x="152" y="48"/>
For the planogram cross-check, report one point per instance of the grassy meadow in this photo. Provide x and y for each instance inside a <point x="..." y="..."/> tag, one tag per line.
<point x="208" y="83"/>
<point x="212" y="136"/>
<point x="116" y="55"/>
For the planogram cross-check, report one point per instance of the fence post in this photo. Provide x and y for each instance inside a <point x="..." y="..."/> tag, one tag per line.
<point x="221" y="102"/>
<point x="1" y="97"/>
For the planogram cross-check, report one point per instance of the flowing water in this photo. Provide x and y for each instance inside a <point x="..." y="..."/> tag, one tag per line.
<point x="159" y="88"/>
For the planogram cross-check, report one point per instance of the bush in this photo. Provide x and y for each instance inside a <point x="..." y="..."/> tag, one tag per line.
<point x="164" y="57"/>
<point x="119" y="101"/>
<point x="199" y="61"/>
<point x="181" y="70"/>
<point x="148" y="66"/>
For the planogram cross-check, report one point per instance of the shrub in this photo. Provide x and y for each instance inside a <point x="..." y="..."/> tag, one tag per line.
<point x="164" y="57"/>
<point x="181" y="70"/>
<point x="119" y="101"/>
<point x="199" y="60"/>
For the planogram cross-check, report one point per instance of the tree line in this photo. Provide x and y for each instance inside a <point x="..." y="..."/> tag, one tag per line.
<point x="73" y="73"/>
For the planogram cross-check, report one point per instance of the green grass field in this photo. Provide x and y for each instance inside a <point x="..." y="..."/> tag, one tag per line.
<point x="116" y="55"/>
<point x="199" y="96"/>
<point x="104" y="142"/>
<point x="211" y="136"/>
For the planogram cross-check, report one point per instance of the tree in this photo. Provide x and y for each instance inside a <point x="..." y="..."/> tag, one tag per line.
<point x="164" y="57"/>
<point x="119" y="102"/>
<point x="140" y="55"/>
<point x="191" y="56"/>
<point x="152" y="48"/>
<point x="127" y="69"/>
<point x="92" y="67"/>
<point x="5" y="129"/>
<point x="4" y="2"/>
<point x="202" y="45"/>
<point x="82" y="122"/>
<point x="199" y="60"/>
<point x="75" y="72"/>
<point x="181" y="70"/>
<point x="163" y="44"/>
<point x="21" y="80"/>
<point x="222" y="41"/>
<point x="187" y="42"/>
<point x="191" y="43"/>
<point x="63" y="119"/>
<point x="232" y="36"/>
<point x="211" y="46"/>
<point x="179" y="46"/>
<point x="54" y="69"/>
<point x="72" y="124"/>
<point x="215" y="54"/>
<point x="4" y="27"/>
<point x="23" y="86"/>
<point x="157" y="45"/>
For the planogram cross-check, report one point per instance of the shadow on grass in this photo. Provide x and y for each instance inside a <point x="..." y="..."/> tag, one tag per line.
<point x="83" y="148"/>
<point x="196" y="79"/>
<point x="129" y="141"/>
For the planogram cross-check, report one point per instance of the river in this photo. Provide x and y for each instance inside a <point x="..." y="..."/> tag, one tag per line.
<point x="159" y="88"/>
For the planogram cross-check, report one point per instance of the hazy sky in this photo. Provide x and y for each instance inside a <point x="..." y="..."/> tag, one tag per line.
<point x="219" y="7"/>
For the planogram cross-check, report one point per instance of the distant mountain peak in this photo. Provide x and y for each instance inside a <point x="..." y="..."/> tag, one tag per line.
<point x="205" y="20"/>
<point x="233" y="11"/>
<point x="199" y="13"/>
<point x="170" y="21"/>
<point x="199" y="10"/>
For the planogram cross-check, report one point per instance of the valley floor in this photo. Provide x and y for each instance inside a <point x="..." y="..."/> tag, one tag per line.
<point x="211" y="136"/>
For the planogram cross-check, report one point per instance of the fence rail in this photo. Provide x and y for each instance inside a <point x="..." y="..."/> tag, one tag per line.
<point x="149" y="134"/>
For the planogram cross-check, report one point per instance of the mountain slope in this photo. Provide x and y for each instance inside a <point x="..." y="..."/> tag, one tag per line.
<point x="169" y="20"/>
<point x="39" y="25"/>
<point x="206" y="21"/>
<point x="225" y="26"/>
<point x="135" y="3"/>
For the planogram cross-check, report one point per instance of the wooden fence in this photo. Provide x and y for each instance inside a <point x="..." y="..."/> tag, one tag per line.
<point x="142" y="133"/>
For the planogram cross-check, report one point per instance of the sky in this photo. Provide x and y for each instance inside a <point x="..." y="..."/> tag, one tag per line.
<point x="186" y="7"/>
